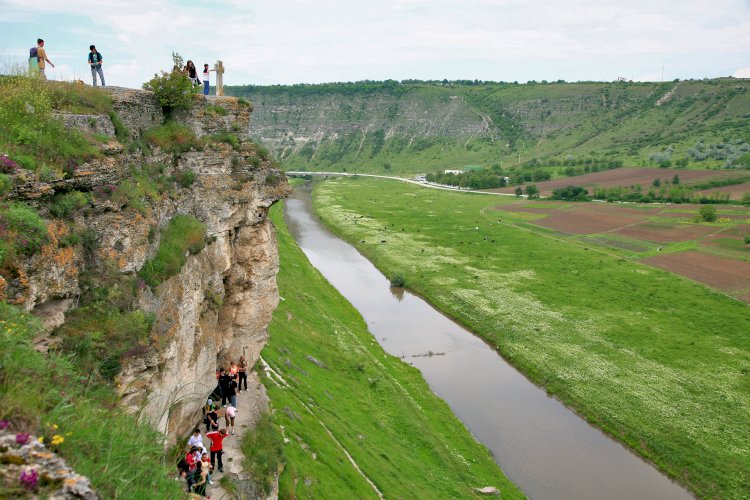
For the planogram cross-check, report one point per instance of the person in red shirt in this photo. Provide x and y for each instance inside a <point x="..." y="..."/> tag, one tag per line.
<point x="216" y="438"/>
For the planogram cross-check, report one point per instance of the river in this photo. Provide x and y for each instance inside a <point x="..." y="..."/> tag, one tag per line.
<point x="544" y="447"/>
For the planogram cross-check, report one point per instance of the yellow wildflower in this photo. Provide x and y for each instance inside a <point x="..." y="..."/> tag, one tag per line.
<point x="57" y="439"/>
<point x="41" y="439"/>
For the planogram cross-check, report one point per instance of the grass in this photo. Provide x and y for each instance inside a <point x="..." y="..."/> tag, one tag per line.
<point x="658" y="362"/>
<point x="404" y="438"/>
<point x="29" y="132"/>
<point x="22" y="232"/>
<point x="49" y="395"/>
<point x="172" y="137"/>
<point x="263" y="448"/>
<point x="66" y="204"/>
<point x="184" y="234"/>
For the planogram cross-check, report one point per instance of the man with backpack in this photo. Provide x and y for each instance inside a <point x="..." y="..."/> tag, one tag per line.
<point x="95" y="61"/>
<point x="37" y="58"/>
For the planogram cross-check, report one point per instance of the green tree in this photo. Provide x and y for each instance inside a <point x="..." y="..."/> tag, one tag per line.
<point x="676" y="179"/>
<point x="656" y="183"/>
<point x="518" y="190"/>
<point x="532" y="191"/>
<point x="708" y="213"/>
<point x="173" y="90"/>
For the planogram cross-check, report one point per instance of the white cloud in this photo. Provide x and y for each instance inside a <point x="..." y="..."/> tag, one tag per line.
<point x="286" y="41"/>
<point x="742" y="73"/>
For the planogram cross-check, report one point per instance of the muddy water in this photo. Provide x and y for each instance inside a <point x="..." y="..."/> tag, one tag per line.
<point x="546" y="449"/>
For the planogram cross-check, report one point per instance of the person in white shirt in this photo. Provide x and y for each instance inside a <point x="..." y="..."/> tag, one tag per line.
<point x="197" y="440"/>
<point x="206" y="71"/>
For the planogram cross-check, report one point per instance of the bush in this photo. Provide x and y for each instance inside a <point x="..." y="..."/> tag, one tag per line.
<point x="747" y="239"/>
<point x="571" y="193"/>
<point x="172" y="136"/>
<point x="185" y="178"/>
<point x="263" y="448"/>
<point x="708" y="213"/>
<point x="183" y="234"/>
<point x="65" y="205"/>
<point x="217" y="110"/>
<point x="398" y="281"/>
<point x="173" y="90"/>
<point x="121" y="132"/>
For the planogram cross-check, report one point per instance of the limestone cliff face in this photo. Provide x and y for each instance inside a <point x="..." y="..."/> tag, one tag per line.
<point x="220" y="303"/>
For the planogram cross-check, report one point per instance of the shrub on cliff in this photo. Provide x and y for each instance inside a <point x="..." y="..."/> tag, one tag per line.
<point x="173" y="90"/>
<point x="172" y="136"/>
<point x="184" y="234"/>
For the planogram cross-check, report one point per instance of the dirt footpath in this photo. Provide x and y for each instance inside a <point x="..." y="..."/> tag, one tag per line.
<point x="250" y="405"/>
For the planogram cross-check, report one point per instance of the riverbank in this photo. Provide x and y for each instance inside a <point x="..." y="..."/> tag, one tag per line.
<point x="654" y="360"/>
<point x="359" y="423"/>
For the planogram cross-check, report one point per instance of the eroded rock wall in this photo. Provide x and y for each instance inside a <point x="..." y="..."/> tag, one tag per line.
<point x="220" y="303"/>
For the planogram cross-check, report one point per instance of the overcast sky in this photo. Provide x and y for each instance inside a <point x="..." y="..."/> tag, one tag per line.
<point x="292" y="41"/>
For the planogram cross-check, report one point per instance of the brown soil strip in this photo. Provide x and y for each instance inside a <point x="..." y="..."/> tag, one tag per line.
<point x="725" y="274"/>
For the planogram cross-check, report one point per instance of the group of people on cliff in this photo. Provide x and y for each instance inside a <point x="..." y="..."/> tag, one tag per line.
<point x="192" y="73"/>
<point x="38" y="60"/>
<point x="198" y="462"/>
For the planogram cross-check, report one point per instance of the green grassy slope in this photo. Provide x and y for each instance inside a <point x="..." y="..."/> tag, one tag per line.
<point x="404" y="438"/>
<point x="416" y="127"/>
<point x="659" y="362"/>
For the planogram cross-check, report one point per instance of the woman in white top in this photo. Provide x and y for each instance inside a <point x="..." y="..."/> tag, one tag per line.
<point x="197" y="440"/>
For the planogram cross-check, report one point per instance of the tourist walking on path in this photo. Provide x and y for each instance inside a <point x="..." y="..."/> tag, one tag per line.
<point x="217" y="437"/>
<point x="224" y="380"/>
<point x="41" y="55"/>
<point x="242" y="371"/>
<point x="229" y="414"/>
<point x="206" y="84"/>
<point x="197" y="440"/>
<point x="95" y="61"/>
<point x="232" y="392"/>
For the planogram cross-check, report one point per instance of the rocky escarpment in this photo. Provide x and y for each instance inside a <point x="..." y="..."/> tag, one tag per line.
<point x="219" y="304"/>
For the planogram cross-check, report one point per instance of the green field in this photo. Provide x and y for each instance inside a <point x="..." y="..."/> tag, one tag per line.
<point x="342" y="391"/>
<point x="660" y="363"/>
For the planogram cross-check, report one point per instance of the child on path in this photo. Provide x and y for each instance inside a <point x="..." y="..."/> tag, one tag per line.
<point x="217" y="448"/>
<point x="95" y="61"/>
<point x="207" y="465"/>
<point x="200" y="486"/>
<point x="229" y="415"/>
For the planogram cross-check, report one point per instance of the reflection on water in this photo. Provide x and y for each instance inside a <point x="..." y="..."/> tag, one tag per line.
<point x="545" y="448"/>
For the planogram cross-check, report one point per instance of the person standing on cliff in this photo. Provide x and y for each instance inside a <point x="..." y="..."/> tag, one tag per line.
<point x="95" y="61"/>
<point x="242" y="371"/>
<point x="41" y="55"/>
<point x="206" y="84"/>
<point x="217" y="448"/>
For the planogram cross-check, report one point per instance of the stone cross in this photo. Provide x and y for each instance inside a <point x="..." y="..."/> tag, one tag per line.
<point x="219" y="69"/>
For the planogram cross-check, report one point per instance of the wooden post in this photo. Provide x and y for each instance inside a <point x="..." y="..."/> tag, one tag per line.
<point x="219" y="69"/>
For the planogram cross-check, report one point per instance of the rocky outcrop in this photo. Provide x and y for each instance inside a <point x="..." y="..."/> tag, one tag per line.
<point x="30" y="470"/>
<point x="220" y="303"/>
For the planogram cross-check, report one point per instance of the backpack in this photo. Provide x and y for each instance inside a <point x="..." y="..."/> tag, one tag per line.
<point x="32" y="52"/>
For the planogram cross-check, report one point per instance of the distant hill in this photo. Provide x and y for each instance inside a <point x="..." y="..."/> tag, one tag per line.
<point x="411" y="126"/>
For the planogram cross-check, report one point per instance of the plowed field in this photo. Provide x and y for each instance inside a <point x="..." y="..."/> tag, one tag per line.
<point x="725" y="274"/>
<point x="625" y="177"/>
